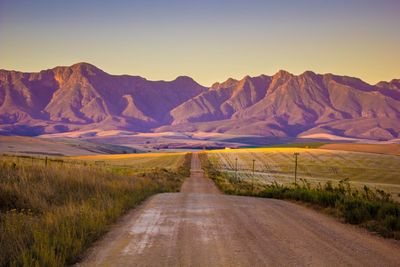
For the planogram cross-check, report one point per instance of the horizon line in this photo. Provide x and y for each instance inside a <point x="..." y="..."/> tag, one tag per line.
<point x="187" y="76"/>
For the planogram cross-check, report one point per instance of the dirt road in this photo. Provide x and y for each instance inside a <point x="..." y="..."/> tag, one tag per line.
<point x="201" y="227"/>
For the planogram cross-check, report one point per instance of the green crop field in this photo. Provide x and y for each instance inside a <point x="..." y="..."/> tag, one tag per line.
<point x="314" y="165"/>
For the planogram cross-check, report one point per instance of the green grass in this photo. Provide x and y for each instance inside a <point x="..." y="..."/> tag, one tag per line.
<point x="49" y="214"/>
<point x="373" y="209"/>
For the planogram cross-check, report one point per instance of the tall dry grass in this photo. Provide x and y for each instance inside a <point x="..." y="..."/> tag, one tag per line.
<point x="50" y="214"/>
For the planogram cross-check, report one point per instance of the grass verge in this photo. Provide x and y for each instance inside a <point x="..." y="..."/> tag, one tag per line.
<point x="50" y="214"/>
<point x="373" y="209"/>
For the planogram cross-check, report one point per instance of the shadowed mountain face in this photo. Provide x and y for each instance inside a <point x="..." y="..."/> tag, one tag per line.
<point x="83" y="97"/>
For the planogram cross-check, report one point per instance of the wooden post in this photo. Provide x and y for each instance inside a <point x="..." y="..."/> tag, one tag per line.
<point x="236" y="169"/>
<point x="295" y="168"/>
<point x="252" y="184"/>
<point x="45" y="162"/>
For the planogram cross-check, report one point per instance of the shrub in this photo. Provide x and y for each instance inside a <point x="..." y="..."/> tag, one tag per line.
<point x="354" y="210"/>
<point x="373" y="209"/>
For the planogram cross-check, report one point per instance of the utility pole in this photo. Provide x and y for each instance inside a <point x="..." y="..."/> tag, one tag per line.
<point x="252" y="184"/>
<point x="295" y="167"/>
<point x="236" y="169"/>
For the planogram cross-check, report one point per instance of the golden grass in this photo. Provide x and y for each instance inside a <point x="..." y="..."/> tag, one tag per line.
<point x="50" y="213"/>
<point x="315" y="165"/>
<point x="136" y="162"/>
<point x="389" y="149"/>
<point x="125" y="156"/>
<point x="261" y="149"/>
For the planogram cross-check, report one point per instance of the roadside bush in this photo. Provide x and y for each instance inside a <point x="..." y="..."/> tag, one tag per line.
<point x="373" y="209"/>
<point x="354" y="210"/>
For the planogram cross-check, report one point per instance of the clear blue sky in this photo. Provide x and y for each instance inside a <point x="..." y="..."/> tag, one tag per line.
<point x="207" y="40"/>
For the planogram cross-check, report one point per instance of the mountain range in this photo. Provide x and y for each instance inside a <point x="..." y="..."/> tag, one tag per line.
<point x="83" y="97"/>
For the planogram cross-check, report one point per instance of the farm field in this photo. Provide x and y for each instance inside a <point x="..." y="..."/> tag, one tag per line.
<point x="23" y="145"/>
<point x="389" y="149"/>
<point x="314" y="165"/>
<point x="136" y="162"/>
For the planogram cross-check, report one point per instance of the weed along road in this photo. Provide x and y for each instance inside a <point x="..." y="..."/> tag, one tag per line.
<point x="201" y="227"/>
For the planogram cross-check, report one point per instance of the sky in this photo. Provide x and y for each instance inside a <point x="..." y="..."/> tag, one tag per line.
<point x="208" y="40"/>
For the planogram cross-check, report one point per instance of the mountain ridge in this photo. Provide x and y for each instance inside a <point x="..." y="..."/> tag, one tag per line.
<point x="82" y="97"/>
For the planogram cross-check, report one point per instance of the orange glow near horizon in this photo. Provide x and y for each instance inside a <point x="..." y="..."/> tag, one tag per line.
<point x="208" y="41"/>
